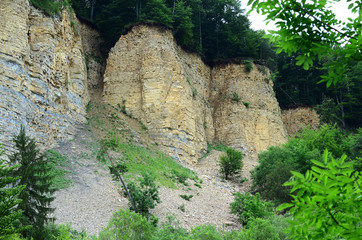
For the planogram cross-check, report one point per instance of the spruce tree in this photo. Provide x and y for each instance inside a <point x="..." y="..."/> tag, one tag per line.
<point x="9" y="198"/>
<point x="34" y="173"/>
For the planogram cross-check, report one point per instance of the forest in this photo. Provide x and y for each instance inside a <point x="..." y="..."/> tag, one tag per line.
<point x="307" y="188"/>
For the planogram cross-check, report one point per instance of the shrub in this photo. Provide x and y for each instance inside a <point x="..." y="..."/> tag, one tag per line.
<point x="208" y="232"/>
<point x="230" y="163"/>
<point x="247" y="207"/>
<point x="51" y="7"/>
<point x="62" y="232"/>
<point x="144" y="195"/>
<point x="235" y="97"/>
<point x="274" y="169"/>
<point x="127" y="225"/>
<point x="248" y="66"/>
<point x="171" y="230"/>
<point x="186" y="197"/>
<point x="327" y="201"/>
<point x="261" y="229"/>
<point x="327" y="137"/>
<point x="246" y="104"/>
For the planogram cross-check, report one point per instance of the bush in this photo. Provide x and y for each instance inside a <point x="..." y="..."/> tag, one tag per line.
<point x="248" y="207"/>
<point x="51" y="7"/>
<point x="144" y="195"/>
<point x="274" y="169"/>
<point x="327" y="137"/>
<point x="203" y="232"/>
<point x="127" y="225"/>
<point x="62" y="232"/>
<point x="171" y="230"/>
<point x="261" y="229"/>
<point x="230" y="163"/>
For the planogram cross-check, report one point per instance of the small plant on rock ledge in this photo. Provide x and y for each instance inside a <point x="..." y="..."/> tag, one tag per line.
<point x="248" y="66"/>
<point x="235" y="97"/>
<point x="186" y="197"/>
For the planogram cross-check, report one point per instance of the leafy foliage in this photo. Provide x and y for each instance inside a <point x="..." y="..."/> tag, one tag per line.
<point x="9" y="199"/>
<point x="275" y="165"/>
<point x="217" y="29"/>
<point x="230" y="163"/>
<point x="51" y="7"/>
<point x="248" y="207"/>
<point x="145" y="195"/>
<point x="326" y="137"/>
<point x="126" y="225"/>
<point x="34" y="175"/>
<point x="157" y="11"/>
<point x="327" y="201"/>
<point x="297" y="22"/>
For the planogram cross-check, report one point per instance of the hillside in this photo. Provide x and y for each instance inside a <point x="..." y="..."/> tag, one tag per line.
<point x="163" y="107"/>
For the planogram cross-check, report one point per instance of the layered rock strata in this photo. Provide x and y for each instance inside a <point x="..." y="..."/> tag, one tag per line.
<point x="296" y="119"/>
<point x="185" y="103"/>
<point x="43" y="77"/>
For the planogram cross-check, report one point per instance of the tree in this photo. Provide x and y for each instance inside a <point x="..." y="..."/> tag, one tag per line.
<point x="327" y="201"/>
<point x="9" y="198"/>
<point x="230" y="163"/>
<point x="156" y="10"/>
<point x="311" y="28"/>
<point x="34" y="174"/>
<point x="182" y="23"/>
<point x="145" y="196"/>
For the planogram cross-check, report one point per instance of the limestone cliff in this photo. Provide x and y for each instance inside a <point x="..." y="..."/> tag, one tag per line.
<point x="299" y="118"/>
<point x="186" y="103"/>
<point x="43" y="76"/>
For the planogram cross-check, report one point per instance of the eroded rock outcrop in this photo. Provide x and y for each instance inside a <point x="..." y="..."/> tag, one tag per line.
<point x="186" y="103"/>
<point x="43" y="77"/>
<point x="299" y="118"/>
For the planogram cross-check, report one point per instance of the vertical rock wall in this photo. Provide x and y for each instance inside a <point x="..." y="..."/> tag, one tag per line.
<point x="246" y="113"/>
<point x="299" y="118"/>
<point x="157" y="83"/>
<point x="42" y="76"/>
<point x="184" y="102"/>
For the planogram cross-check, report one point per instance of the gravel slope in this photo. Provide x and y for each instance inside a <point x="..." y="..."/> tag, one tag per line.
<point x="94" y="197"/>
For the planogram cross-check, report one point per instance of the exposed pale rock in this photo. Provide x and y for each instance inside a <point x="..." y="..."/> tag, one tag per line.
<point x="299" y="118"/>
<point x="184" y="102"/>
<point x="42" y="76"/>
<point x="163" y="87"/>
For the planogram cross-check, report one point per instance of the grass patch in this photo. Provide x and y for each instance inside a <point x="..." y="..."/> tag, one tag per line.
<point x="140" y="160"/>
<point x="214" y="146"/>
<point x="58" y="163"/>
<point x="114" y="133"/>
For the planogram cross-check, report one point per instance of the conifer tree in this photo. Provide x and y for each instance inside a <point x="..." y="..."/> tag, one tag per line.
<point x="34" y="173"/>
<point x="9" y="198"/>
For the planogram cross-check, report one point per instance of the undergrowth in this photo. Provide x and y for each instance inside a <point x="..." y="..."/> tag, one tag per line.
<point x="138" y="158"/>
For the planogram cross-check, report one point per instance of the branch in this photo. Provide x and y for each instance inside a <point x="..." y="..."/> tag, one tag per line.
<point x="323" y="23"/>
<point x="120" y="177"/>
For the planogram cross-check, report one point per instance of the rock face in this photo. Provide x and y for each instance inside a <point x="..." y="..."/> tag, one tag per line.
<point x="185" y="103"/>
<point x="43" y="77"/>
<point x="299" y="118"/>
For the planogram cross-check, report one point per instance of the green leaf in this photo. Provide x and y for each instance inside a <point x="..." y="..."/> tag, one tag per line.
<point x="297" y="174"/>
<point x="284" y="206"/>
